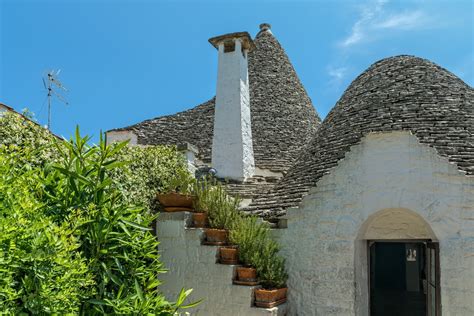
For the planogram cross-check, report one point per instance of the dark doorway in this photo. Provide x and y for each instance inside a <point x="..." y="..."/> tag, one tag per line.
<point x="397" y="279"/>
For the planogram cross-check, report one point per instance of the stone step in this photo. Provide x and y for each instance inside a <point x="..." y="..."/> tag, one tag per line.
<point x="193" y="265"/>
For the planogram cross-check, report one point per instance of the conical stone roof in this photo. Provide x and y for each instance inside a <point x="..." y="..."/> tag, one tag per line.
<point x="398" y="93"/>
<point x="283" y="117"/>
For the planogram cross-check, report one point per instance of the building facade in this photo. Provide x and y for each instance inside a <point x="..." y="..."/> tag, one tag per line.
<point x="375" y="203"/>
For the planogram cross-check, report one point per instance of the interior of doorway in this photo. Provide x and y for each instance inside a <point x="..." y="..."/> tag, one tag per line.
<point x="398" y="278"/>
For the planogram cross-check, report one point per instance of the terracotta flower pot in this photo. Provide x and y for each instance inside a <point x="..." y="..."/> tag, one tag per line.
<point x="229" y="255"/>
<point x="270" y="298"/>
<point x="176" y="202"/>
<point x="216" y="236"/>
<point x="246" y="274"/>
<point x="200" y="219"/>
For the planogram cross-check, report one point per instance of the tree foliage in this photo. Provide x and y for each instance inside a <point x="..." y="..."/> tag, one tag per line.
<point x="41" y="271"/>
<point x="150" y="170"/>
<point x="73" y="240"/>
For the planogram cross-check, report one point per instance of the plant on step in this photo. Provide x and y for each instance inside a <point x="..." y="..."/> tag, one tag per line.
<point x="202" y="191"/>
<point x="271" y="274"/>
<point x="181" y="182"/>
<point x="249" y="234"/>
<point x="178" y="196"/>
<point x="270" y="266"/>
<point x="223" y="209"/>
<point x="149" y="169"/>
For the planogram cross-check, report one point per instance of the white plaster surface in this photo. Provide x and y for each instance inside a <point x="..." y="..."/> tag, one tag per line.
<point x="3" y="108"/>
<point x="190" y="157"/>
<point x="192" y="265"/>
<point x="232" y="148"/>
<point x="120" y="136"/>
<point x="325" y="244"/>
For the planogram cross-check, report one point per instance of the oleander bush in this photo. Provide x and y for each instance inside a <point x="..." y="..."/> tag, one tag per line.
<point x="41" y="269"/>
<point x="72" y="239"/>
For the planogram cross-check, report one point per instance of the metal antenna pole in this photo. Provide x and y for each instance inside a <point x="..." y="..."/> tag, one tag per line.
<point x="49" y="101"/>
<point x="52" y="78"/>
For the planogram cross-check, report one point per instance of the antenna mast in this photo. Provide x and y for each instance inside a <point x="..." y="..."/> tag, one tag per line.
<point x="51" y="82"/>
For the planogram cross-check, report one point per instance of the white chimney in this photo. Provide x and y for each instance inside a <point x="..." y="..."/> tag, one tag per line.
<point x="232" y="149"/>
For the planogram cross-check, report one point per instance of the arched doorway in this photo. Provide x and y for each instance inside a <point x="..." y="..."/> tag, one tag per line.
<point x="401" y="264"/>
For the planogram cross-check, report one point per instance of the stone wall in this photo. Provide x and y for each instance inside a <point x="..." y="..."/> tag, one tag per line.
<point x="192" y="265"/>
<point x="324" y="243"/>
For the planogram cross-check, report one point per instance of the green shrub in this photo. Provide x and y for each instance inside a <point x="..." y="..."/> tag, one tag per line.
<point x="259" y="250"/>
<point x="249" y="234"/>
<point x="31" y="141"/>
<point x="270" y="266"/>
<point x="202" y="191"/>
<point x="181" y="182"/>
<point x="149" y="170"/>
<point x="223" y="210"/>
<point x="121" y="252"/>
<point x="71" y="241"/>
<point x="41" y="271"/>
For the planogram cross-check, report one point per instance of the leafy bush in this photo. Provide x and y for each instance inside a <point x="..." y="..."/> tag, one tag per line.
<point x="181" y="182"/>
<point x="259" y="250"/>
<point x="270" y="266"/>
<point x="71" y="241"/>
<point x="249" y="234"/>
<point x="223" y="210"/>
<point x="149" y="170"/>
<point x="202" y="191"/>
<point x="122" y="253"/>
<point x="18" y="135"/>
<point x="41" y="271"/>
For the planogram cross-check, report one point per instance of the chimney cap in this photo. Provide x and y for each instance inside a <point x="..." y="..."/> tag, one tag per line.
<point x="247" y="42"/>
<point x="265" y="27"/>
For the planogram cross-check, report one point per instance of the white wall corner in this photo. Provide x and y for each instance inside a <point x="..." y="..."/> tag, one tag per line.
<point x="120" y="136"/>
<point x="190" y="153"/>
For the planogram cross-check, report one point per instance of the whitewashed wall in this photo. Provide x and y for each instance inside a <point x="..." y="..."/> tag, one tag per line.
<point x="324" y="246"/>
<point x="120" y="136"/>
<point x="232" y="147"/>
<point x="192" y="265"/>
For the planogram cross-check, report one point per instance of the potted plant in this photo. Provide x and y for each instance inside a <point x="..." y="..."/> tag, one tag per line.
<point x="229" y="255"/>
<point x="272" y="276"/>
<point x="202" y="193"/>
<point x="179" y="196"/>
<point x="249" y="234"/>
<point x="222" y="212"/>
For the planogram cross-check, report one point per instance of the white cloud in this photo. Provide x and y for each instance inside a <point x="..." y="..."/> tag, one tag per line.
<point x="404" y="21"/>
<point x="337" y="74"/>
<point x="375" y="18"/>
<point x="358" y="32"/>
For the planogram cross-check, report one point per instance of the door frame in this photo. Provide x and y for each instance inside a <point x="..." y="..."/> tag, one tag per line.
<point x="429" y="244"/>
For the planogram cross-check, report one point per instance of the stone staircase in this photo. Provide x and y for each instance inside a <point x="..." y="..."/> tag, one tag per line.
<point x="193" y="265"/>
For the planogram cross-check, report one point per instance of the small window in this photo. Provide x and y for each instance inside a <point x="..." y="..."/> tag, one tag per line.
<point x="229" y="46"/>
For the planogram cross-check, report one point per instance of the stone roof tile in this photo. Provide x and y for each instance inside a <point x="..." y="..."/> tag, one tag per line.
<point x="283" y="117"/>
<point x="397" y="93"/>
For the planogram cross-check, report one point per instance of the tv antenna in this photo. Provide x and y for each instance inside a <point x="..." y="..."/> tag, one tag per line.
<point x="53" y="86"/>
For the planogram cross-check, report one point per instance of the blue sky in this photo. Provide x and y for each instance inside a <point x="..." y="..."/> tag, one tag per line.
<point x="126" y="61"/>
